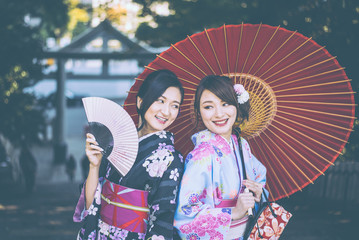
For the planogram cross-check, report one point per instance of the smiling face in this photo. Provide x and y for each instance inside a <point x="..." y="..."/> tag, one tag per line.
<point x="217" y="115"/>
<point x="162" y="113"/>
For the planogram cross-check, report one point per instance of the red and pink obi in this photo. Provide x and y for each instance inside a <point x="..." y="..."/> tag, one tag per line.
<point x="124" y="207"/>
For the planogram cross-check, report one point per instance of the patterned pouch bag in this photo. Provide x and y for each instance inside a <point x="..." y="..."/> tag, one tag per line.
<point x="268" y="221"/>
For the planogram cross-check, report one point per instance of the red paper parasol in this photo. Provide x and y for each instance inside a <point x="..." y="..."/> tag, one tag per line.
<point x="302" y="101"/>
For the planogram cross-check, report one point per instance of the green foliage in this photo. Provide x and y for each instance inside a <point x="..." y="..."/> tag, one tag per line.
<point x="78" y="18"/>
<point x="351" y="150"/>
<point x="331" y="23"/>
<point x="79" y="28"/>
<point x="21" y="49"/>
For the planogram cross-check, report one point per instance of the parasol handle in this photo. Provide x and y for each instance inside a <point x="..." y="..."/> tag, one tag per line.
<point x="250" y="210"/>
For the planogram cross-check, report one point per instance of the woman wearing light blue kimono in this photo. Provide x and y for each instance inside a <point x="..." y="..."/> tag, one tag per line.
<point x="213" y="202"/>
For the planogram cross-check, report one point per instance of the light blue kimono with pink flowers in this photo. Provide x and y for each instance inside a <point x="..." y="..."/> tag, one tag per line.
<point x="213" y="172"/>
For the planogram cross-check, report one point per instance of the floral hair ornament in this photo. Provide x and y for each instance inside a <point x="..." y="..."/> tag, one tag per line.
<point x="242" y="94"/>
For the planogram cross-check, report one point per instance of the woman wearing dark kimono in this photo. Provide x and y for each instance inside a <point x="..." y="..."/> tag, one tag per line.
<point x="147" y="193"/>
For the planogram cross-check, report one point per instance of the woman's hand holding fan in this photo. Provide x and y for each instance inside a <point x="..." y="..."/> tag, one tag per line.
<point x="93" y="151"/>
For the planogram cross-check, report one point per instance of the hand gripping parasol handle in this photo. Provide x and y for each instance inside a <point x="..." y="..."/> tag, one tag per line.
<point x="250" y="210"/>
<point x="246" y="190"/>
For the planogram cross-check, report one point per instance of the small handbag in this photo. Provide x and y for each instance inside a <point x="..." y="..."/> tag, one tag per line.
<point x="268" y="221"/>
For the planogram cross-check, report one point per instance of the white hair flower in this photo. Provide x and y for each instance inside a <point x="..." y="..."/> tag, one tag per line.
<point x="242" y="94"/>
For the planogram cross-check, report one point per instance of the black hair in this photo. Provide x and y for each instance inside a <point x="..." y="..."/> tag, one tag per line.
<point x="154" y="85"/>
<point x="222" y="87"/>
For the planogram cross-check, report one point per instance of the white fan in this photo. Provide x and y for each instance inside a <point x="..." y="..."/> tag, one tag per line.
<point x="114" y="131"/>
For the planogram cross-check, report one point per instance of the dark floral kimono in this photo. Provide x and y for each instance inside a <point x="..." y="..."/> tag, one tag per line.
<point x="158" y="169"/>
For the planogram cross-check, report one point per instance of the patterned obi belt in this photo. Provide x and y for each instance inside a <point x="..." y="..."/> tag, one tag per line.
<point x="237" y="226"/>
<point x="124" y="207"/>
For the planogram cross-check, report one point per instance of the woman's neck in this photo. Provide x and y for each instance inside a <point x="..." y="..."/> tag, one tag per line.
<point x="227" y="137"/>
<point x="143" y="132"/>
<point x="228" y="140"/>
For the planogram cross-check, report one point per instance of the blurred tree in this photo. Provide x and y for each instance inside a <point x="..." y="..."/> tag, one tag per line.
<point x="185" y="18"/>
<point x="79" y="18"/>
<point x="79" y="28"/>
<point x="332" y="23"/>
<point x="24" y="25"/>
<point x="81" y="15"/>
<point x="111" y="11"/>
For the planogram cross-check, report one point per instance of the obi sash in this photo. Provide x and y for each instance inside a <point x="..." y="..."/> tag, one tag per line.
<point x="237" y="227"/>
<point x="124" y="207"/>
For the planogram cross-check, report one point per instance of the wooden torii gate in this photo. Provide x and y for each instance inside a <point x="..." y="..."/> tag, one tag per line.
<point x="75" y="50"/>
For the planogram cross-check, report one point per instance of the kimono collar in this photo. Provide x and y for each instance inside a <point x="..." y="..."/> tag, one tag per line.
<point x="207" y="136"/>
<point x="162" y="136"/>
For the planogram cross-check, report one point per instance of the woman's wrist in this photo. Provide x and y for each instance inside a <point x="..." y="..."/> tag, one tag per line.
<point x="237" y="214"/>
<point x="93" y="167"/>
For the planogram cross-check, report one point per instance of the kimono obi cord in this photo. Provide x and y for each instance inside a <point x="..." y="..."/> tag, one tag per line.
<point x="124" y="207"/>
<point x="227" y="203"/>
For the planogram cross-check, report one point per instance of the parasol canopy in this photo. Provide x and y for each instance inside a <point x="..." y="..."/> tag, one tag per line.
<point x="302" y="103"/>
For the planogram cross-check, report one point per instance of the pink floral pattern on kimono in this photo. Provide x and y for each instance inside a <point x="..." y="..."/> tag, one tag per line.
<point x="197" y="216"/>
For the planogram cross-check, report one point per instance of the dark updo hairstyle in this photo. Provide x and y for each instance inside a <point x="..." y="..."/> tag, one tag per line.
<point x="154" y="85"/>
<point x="222" y="87"/>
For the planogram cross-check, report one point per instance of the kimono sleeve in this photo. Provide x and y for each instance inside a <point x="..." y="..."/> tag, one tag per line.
<point x="162" y="199"/>
<point x="257" y="170"/>
<point x="89" y="216"/>
<point x="196" y="215"/>
<point x="80" y="211"/>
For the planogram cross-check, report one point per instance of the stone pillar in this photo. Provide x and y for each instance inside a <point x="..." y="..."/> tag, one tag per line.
<point x="60" y="147"/>
<point x="105" y="61"/>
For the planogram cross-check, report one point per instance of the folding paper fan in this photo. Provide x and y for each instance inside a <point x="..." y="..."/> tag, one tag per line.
<point x="114" y="131"/>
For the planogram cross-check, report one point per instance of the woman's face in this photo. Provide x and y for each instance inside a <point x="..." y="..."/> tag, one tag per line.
<point x="163" y="111"/>
<point x="217" y="116"/>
